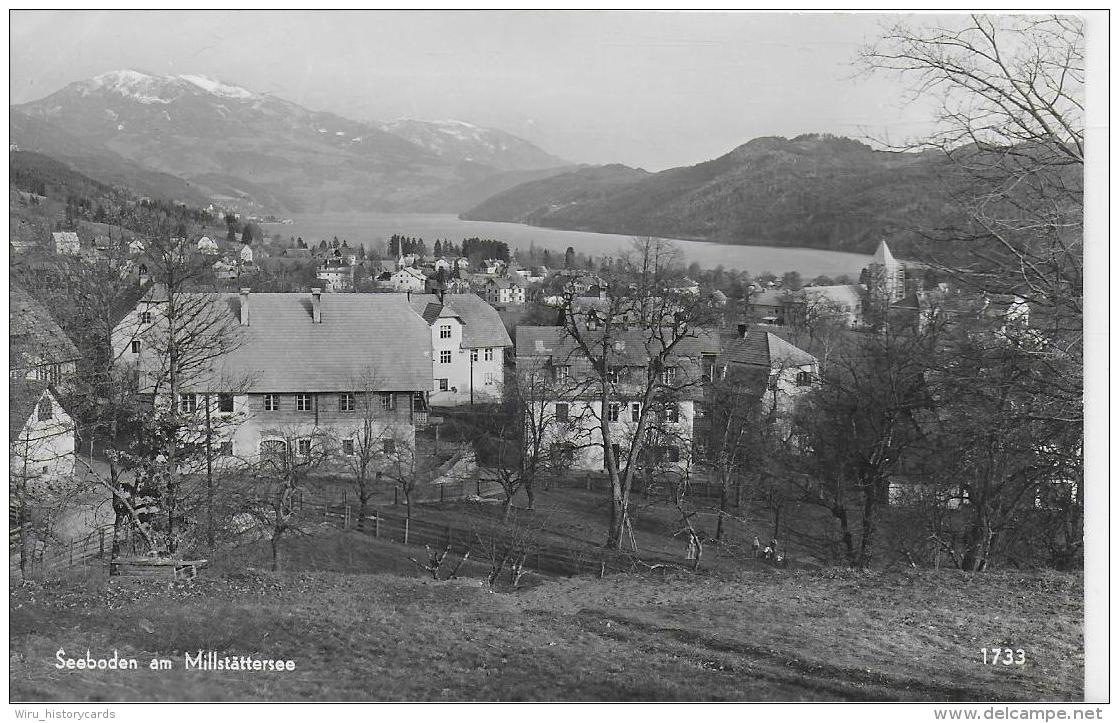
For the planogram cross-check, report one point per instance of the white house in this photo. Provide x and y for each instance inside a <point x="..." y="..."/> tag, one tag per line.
<point x="442" y="263"/>
<point x="246" y="255"/>
<point x="207" y="246"/>
<point x="505" y="290"/>
<point x="574" y="409"/>
<point x="41" y="435"/>
<point x="66" y="243"/>
<point x="408" y="279"/>
<point x="468" y="343"/>
<point x="336" y="274"/>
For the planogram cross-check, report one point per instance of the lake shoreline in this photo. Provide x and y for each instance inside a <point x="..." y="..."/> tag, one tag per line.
<point x="373" y="230"/>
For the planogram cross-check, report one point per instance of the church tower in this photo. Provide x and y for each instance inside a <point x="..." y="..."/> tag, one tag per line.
<point x="885" y="275"/>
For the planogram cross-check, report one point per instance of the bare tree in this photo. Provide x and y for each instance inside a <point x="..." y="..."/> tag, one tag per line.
<point x="1011" y="131"/>
<point x="515" y="440"/>
<point x="280" y="482"/>
<point x="627" y="350"/>
<point x="372" y="433"/>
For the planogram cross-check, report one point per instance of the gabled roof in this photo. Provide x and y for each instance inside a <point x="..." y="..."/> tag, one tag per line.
<point x="847" y="295"/>
<point x="764" y="349"/>
<point x="633" y="347"/>
<point x="23" y="398"/>
<point x="33" y="336"/>
<point x="284" y="350"/>
<point x="481" y="324"/>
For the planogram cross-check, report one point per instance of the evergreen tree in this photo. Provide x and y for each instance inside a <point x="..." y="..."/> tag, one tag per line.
<point x="569" y="258"/>
<point x="438" y="248"/>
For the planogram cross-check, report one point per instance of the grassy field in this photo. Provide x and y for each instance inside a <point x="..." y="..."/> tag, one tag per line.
<point x="376" y="629"/>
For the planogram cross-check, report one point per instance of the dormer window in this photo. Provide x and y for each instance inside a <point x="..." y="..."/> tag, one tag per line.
<point x="804" y="379"/>
<point x="444" y="331"/>
<point x="145" y="317"/>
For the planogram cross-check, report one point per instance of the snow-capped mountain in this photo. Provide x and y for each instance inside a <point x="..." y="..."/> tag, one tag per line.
<point x="459" y="140"/>
<point x="232" y="142"/>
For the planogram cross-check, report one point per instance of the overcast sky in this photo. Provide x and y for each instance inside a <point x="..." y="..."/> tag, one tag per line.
<point x="647" y="89"/>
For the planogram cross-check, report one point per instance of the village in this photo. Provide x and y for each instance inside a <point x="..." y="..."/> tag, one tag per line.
<point x="539" y="356"/>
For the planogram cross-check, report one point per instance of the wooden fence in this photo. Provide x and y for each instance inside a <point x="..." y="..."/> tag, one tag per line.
<point x="46" y="558"/>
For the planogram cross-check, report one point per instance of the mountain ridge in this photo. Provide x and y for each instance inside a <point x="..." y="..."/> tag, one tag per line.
<point x="815" y="190"/>
<point x="262" y="152"/>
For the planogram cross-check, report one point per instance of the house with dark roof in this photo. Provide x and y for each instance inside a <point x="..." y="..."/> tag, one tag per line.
<point x="468" y="343"/>
<point x="505" y="290"/>
<point x="788" y="370"/>
<point x="293" y="368"/>
<point x="38" y="348"/>
<point x="569" y="389"/>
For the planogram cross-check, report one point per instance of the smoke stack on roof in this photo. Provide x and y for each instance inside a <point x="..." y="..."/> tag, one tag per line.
<point x="316" y="306"/>
<point x="244" y="307"/>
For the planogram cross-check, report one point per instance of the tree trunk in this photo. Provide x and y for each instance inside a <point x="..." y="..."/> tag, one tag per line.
<point x="866" y="544"/>
<point x="506" y="505"/>
<point x="722" y="509"/>
<point x="840" y="513"/>
<point x="275" y="553"/>
<point x="530" y="492"/>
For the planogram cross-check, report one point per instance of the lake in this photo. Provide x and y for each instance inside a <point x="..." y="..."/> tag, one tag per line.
<point x="374" y="229"/>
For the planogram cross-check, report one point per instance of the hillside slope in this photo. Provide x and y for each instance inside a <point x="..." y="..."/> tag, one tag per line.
<point x="759" y="635"/>
<point x="813" y="191"/>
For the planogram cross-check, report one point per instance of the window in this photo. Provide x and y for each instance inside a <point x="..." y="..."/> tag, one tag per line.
<point x="491" y="379"/>
<point x="271" y="403"/>
<point x="55" y="373"/>
<point x="136" y="346"/>
<point x="635" y="412"/>
<point x="303" y="447"/>
<point x="388" y="401"/>
<point x="443" y="385"/>
<point x="561" y="373"/>
<point x="489" y="354"/>
<point x="389" y="446"/>
<point x="187" y="403"/>
<point x="613" y="410"/>
<point x="668" y="375"/>
<point x="145" y="317"/>
<point x="708" y="363"/>
<point x="444" y="331"/>
<point x="445" y="357"/>
<point x="561" y="412"/>
<point x="614" y="374"/>
<point x="473" y="355"/>
<point x="225" y="449"/>
<point x="346" y="402"/>
<point x="302" y="402"/>
<point x="225" y="403"/>
<point x="348" y="446"/>
<point x="671" y="412"/>
<point x="804" y="379"/>
<point x="46" y="409"/>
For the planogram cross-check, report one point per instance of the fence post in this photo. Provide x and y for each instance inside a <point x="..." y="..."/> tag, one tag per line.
<point x="346" y="519"/>
<point x="101" y="542"/>
<point x="71" y="552"/>
<point x="406" y="521"/>
<point x="478" y="486"/>
<point x="376" y="523"/>
<point x="440" y="493"/>
<point x="396" y="495"/>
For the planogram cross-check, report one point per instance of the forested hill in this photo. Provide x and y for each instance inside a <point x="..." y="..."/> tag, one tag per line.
<point x="813" y="191"/>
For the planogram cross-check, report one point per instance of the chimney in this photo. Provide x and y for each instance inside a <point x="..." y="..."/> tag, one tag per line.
<point x="244" y="307"/>
<point x="316" y="306"/>
<point x="742" y="331"/>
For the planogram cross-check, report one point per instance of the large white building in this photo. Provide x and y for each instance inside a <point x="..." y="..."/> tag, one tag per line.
<point x="297" y="369"/>
<point x="468" y="343"/>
